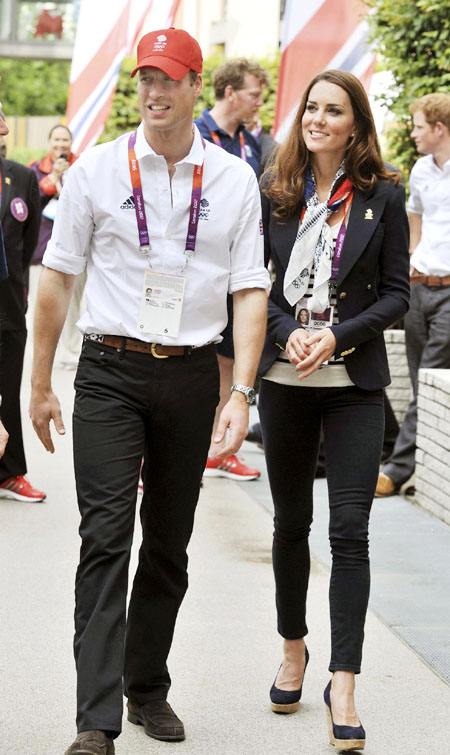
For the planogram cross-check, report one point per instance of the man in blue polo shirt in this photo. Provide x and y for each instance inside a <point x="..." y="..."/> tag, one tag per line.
<point x="238" y="87"/>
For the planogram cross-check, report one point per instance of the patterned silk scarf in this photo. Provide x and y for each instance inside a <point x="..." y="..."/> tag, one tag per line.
<point x="313" y="246"/>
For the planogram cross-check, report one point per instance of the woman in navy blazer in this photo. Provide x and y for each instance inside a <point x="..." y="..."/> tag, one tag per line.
<point x="336" y="231"/>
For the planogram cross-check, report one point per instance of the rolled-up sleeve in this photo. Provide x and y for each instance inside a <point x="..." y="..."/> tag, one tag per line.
<point x="414" y="202"/>
<point x="72" y="230"/>
<point x="247" y="247"/>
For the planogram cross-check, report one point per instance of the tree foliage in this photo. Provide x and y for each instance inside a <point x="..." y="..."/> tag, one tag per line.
<point x="124" y="115"/>
<point x="34" y="87"/>
<point x="413" y="38"/>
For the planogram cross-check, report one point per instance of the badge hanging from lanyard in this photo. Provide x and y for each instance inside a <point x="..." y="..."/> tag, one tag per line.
<point x="162" y="294"/>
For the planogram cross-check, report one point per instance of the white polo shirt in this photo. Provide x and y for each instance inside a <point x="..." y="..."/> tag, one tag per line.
<point x="430" y="198"/>
<point x="96" y="227"/>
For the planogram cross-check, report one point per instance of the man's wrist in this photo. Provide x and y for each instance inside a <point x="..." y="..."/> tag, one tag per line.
<point x="244" y="390"/>
<point x="40" y="386"/>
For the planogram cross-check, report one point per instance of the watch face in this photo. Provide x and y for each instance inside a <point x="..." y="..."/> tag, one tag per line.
<point x="251" y="396"/>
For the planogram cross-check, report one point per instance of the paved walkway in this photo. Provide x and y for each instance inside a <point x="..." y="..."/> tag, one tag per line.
<point x="226" y="650"/>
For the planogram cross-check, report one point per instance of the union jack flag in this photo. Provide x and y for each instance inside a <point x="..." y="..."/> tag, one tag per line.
<point x="319" y="34"/>
<point x="106" y="31"/>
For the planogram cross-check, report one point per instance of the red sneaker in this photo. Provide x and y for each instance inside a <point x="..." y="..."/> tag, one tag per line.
<point x="231" y="467"/>
<point x="20" y="489"/>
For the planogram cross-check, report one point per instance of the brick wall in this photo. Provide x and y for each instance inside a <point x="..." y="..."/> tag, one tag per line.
<point x="433" y="443"/>
<point x="399" y="392"/>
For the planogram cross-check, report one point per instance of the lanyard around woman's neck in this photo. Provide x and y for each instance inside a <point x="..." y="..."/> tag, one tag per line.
<point x="343" y="194"/>
<point x="139" y="207"/>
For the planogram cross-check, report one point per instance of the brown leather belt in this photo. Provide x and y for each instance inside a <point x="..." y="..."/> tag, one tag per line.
<point x="430" y="280"/>
<point x="157" y="350"/>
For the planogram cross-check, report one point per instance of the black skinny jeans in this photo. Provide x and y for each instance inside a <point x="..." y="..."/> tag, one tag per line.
<point x="353" y="426"/>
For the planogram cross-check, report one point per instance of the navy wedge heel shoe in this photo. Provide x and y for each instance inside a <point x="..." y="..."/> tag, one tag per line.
<point x="287" y="701"/>
<point x="343" y="737"/>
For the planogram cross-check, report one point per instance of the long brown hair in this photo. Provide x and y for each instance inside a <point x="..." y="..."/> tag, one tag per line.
<point x="283" y="180"/>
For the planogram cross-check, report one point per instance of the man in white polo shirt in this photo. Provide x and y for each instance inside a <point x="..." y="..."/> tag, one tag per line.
<point x="427" y="324"/>
<point x="166" y="225"/>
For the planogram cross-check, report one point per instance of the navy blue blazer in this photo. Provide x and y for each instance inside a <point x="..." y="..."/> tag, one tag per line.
<point x="20" y="237"/>
<point x="372" y="285"/>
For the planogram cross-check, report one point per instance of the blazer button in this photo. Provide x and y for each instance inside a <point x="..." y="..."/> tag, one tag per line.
<point x="369" y="286"/>
<point x="342" y="295"/>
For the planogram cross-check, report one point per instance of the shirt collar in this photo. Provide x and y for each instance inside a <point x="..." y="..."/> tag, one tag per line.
<point x="195" y="155"/>
<point x="432" y="164"/>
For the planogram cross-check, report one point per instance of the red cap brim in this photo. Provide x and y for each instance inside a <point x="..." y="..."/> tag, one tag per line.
<point x="172" y="68"/>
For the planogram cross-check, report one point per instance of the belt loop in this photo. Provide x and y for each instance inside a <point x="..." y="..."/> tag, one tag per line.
<point x="187" y="353"/>
<point x="123" y="348"/>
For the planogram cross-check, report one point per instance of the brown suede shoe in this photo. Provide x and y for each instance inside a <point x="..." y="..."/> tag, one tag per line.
<point x="91" y="743"/>
<point x="385" y="486"/>
<point x="158" y="720"/>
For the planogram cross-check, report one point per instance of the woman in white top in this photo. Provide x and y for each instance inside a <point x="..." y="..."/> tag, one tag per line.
<point x="337" y="234"/>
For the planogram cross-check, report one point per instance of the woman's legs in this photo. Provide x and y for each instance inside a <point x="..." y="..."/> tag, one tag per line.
<point x="291" y="421"/>
<point x="353" y="428"/>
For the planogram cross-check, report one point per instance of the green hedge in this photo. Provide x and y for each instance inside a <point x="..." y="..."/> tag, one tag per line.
<point x="34" y="87"/>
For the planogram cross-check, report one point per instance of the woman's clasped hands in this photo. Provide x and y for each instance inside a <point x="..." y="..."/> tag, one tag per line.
<point x="308" y="351"/>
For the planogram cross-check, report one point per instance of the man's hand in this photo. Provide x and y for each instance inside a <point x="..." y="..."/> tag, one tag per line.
<point x="322" y="346"/>
<point x="233" y="417"/>
<point x="44" y="406"/>
<point x="3" y="438"/>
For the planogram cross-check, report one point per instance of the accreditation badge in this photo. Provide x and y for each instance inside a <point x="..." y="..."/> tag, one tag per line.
<point x="50" y="208"/>
<point x="161" y="304"/>
<point x="313" y="321"/>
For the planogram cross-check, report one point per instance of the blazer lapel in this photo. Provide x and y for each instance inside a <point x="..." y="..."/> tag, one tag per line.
<point x="7" y="187"/>
<point x="365" y="214"/>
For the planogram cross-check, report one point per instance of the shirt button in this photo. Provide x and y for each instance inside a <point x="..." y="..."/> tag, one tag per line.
<point x="342" y="295"/>
<point x="369" y="286"/>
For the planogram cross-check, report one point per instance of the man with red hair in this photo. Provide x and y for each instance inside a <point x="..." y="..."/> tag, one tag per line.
<point x="427" y="324"/>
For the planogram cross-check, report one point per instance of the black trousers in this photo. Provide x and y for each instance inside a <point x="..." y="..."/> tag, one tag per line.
<point x="12" y="349"/>
<point x="352" y="420"/>
<point x="128" y="406"/>
<point x="427" y="334"/>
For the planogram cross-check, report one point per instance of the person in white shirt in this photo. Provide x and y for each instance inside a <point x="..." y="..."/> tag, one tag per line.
<point x="427" y="324"/>
<point x="157" y="209"/>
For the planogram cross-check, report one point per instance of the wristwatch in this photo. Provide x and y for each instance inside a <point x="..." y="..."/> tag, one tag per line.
<point x="248" y="392"/>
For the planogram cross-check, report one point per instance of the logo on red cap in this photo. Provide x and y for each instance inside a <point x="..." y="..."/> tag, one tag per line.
<point x="160" y="43"/>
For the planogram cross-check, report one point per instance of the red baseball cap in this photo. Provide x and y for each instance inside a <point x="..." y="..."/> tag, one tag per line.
<point x="172" y="50"/>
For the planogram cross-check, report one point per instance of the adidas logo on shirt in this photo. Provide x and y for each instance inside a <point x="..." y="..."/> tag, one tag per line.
<point x="128" y="204"/>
